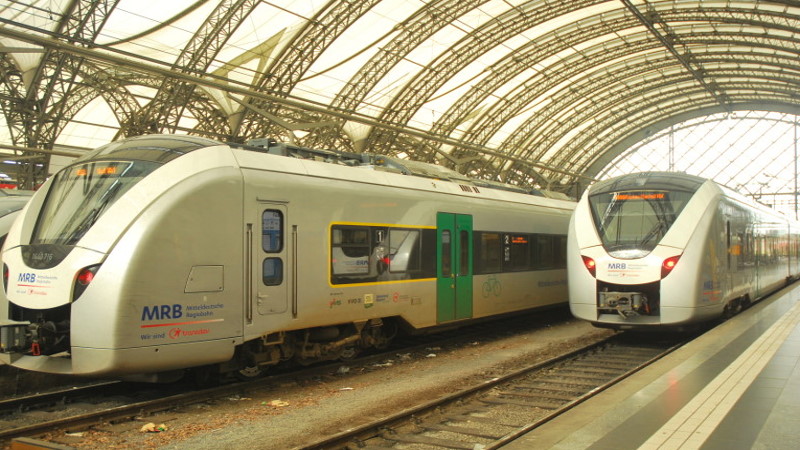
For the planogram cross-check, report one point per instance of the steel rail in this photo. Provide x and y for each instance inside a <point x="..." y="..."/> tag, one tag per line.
<point x="374" y="429"/>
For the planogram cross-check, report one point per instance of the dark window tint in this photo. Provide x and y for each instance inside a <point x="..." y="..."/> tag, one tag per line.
<point x="631" y="223"/>
<point x="272" y="271"/>
<point x="447" y="249"/>
<point x="81" y="194"/>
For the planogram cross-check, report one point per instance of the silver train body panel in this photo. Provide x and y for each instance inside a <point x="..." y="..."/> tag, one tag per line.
<point x="726" y="252"/>
<point x="184" y="264"/>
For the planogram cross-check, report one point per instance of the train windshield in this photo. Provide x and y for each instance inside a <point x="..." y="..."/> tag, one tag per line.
<point x="80" y="194"/>
<point x="631" y="223"/>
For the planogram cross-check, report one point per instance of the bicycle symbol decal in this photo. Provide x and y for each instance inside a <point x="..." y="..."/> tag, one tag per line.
<point x="492" y="286"/>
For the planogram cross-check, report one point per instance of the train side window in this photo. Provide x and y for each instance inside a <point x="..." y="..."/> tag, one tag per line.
<point x="518" y="252"/>
<point x="404" y="250"/>
<point x="561" y="252"/>
<point x="428" y="254"/>
<point x="350" y="249"/>
<point x="543" y="254"/>
<point x="446" y="254"/>
<point x="272" y="271"/>
<point x="728" y="235"/>
<point x="488" y="252"/>
<point x="272" y="231"/>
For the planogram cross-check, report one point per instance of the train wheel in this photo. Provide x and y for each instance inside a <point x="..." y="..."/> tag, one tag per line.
<point x="250" y="373"/>
<point x="383" y="335"/>
<point x="349" y="353"/>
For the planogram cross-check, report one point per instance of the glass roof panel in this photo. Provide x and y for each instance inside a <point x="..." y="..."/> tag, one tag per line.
<point x="594" y="73"/>
<point x="753" y="152"/>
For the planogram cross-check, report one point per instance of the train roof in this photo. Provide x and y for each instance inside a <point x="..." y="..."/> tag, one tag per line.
<point x="162" y="148"/>
<point x="388" y="164"/>
<point x="13" y="200"/>
<point x="650" y="180"/>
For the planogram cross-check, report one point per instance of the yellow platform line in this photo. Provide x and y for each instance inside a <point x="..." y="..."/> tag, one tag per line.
<point x="692" y="425"/>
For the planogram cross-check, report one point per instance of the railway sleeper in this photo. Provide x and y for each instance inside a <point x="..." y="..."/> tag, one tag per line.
<point x="520" y="402"/>
<point x="544" y="395"/>
<point x="421" y="439"/>
<point x="572" y="383"/>
<point x="486" y="420"/>
<point x="610" y="365"/>
<point x="464" y="430"/>
<point x="594" y="370"/>
<point x="563" y="388"/>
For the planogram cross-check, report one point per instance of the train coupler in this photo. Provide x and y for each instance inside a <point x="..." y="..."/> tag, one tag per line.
<point x="626" y="304"/>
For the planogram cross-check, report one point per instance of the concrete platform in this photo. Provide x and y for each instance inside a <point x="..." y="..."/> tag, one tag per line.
<point x="736" y="387"/>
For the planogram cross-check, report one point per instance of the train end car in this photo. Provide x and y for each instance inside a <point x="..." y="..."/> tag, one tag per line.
<point x="657" y="250"/>
<point x="11" y="204"/>
<point x="159" y="255"/>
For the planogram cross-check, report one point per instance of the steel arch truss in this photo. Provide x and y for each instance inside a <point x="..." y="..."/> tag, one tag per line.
<point x="565" y="86"/>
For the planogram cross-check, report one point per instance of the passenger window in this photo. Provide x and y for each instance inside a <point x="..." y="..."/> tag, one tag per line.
<point x="464" y="244"/>
<point x="561" y="252"/>
<point x="350" y="250"/>
<point x="272" y="271"/>
<point x="491" y="252"/>
<point x="543" y="253"/>
<point x="272" y="231"/>
<point x="446" y="254"/>
<point x="404" y="250"/>
<point x="518" y="252"/>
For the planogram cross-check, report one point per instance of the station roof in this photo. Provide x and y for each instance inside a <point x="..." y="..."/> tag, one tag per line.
<point x="539" y="93"/>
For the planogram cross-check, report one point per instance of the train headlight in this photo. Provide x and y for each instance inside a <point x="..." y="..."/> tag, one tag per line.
<point x="82" y="280"/>
<point x="591" y="266"/>
<point x="668" y="265"/>
<point x="5" y="277"/>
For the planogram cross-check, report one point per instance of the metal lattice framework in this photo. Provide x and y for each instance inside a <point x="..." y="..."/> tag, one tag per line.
<point x="539" y="92"/>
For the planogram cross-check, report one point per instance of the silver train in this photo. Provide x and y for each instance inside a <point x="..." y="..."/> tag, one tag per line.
<point x="653" y="250"/>
<point x="11" y="203"/>
<point x="156" y="254"/>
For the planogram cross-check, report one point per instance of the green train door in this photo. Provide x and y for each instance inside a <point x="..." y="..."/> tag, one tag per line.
<point x="454" y="268"/>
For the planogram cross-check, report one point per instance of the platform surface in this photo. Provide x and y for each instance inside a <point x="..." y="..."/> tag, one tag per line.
<point x="735" y="387"/>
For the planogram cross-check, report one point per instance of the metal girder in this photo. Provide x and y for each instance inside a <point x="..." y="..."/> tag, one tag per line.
<point x="680" y="99"/>
<point x="406" y="36"/>
<point x="431" y="18"/>
<point x="298" y="55"/>
<point x="165" y="110"/>
<point x="566" y="101"/>
<point x="48" y="94"/>
<point x="668" y="40"/>
<point x="12" y="97"/>
<point x="494" y="118"/>
<point x="406" y="104"/>
<point x="408" y="101"/>
<point x="777" y="77"/>
<point x="599" y="73"/>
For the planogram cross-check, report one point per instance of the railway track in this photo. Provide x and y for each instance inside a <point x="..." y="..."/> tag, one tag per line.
<point x="494" y="413"/>
<point x="74" y="408"/>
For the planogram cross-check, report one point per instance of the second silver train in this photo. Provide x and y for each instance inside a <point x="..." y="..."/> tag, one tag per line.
<point x="651" y="250"/>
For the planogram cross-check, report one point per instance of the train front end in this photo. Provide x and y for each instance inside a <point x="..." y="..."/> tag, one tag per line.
<point x="633" y="260"/>
<point x="71" y="257"/>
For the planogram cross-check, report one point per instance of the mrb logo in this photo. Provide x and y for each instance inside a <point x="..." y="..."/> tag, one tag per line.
<point x="27" y="278"/>
<point x="160" y="312"/>
<point x="617" y="266"/>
